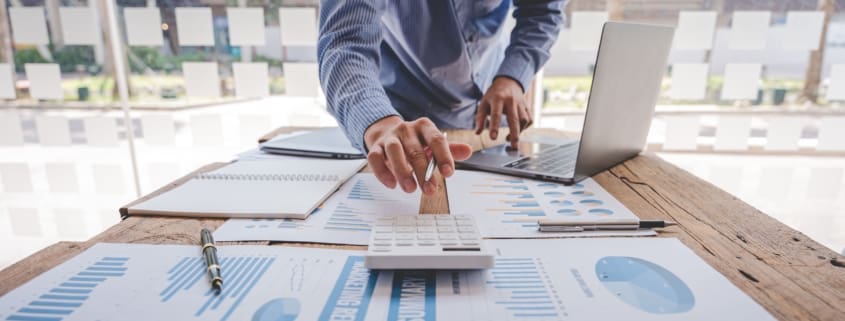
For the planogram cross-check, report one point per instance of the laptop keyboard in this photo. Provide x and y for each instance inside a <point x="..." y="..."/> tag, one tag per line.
<point x="558" y="160"/>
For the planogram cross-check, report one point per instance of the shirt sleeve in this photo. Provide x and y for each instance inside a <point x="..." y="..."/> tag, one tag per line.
<point x="537" y="26"/>
<point x="349" y="58"/>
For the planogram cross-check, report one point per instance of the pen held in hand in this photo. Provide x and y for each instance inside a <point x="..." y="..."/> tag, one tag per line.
<point x="432" y="165"/>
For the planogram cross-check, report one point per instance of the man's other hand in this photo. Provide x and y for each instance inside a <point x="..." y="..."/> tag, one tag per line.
<point x="400" y="149"/>
<point x="505" y="96"/>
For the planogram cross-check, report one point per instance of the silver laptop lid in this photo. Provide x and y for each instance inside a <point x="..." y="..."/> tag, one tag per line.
<point x="629" y="69"/>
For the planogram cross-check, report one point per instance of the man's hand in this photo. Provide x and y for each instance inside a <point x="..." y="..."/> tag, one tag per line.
<point x="399" y="150"/>
<point x="505" y="96"/>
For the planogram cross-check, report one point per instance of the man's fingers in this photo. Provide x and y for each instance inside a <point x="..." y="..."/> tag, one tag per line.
<point x="416" y="155"/>
<point x="377" y="162"/>
<point x="524" y="118"/>
<point x="401" y="169"/>
<point x="513" y="124"/>
<point x="481" y="116"/>
<point x="439" y="149"/>
<point x="495" y="118"/>
<point x="460" y="151"/>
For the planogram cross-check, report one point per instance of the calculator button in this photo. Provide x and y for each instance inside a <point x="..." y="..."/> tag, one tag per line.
<point x="380" y="249"/>
<point x="445" y="229"/>
<point x="470" y="243"/>
<point x="404" y="242"/>
<point x="426" y="223"/>
<point x="405" y="229"/>
<point x="466" y="229"/>
<point x="383" y="229"/>
<point x="445" y="223"/>
<point x="425" y="217"/>
<point x="464" y="223"/>
<point x="405" y="223"/>
<point x="426" y="242"/>
<point x="426" y="229"/>
<point x="448" y="236"/>
<point x="381" y="243"/>
<point x="442" y="216"/>
<point x="462" y="217"/>
<point x="425" y="236"/>
<point x="468" y="236"/>
<point x="383" y="236"/>
<point x="448" y="242"/>
<point x="404" y="236"/>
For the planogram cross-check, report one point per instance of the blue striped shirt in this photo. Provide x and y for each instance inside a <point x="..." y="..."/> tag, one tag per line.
<point x="434" y="58"/>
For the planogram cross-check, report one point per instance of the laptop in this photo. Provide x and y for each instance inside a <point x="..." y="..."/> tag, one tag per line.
<point x="630" y="64"/>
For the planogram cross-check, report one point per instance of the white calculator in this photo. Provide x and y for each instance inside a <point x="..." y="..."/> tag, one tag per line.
<point x="426" y="241"/>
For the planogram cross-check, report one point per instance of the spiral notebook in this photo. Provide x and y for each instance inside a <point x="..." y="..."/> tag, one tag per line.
<point x="286" y="187"/>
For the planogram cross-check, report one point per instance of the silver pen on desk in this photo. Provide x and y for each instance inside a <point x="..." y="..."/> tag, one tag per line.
<point x="557" y="225"/>
<point x="429" y="171"/>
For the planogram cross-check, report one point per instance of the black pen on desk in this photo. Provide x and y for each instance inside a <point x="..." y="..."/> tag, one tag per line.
<point x="209" y="251"/>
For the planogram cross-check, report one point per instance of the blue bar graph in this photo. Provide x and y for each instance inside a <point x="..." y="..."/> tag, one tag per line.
<point x="521" y="289"/>
<point x="241" y="274"/>
<point x="348" y="218"/>
<point x="62" y="300"/>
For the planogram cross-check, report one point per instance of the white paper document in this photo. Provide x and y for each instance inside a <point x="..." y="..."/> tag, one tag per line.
<point x="582" y="279"/>
<point x="345" y="218"/>
<point x="501" y="204"/>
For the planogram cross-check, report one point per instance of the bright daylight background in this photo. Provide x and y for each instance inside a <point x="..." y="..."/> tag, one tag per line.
<point x="752" y="100"/>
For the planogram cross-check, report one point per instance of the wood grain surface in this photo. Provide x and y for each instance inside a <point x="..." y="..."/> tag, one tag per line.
<point x="789" y="274"/>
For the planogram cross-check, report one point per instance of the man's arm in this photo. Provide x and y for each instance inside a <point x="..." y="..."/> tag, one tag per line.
<point x="348" y="53"/>
<point x="537" y="26"/>
<point x="349" y="58"/>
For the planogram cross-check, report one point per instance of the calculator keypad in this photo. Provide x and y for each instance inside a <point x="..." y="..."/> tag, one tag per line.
<point x="425" y="230"/>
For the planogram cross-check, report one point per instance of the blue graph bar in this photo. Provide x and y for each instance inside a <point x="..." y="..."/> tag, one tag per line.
<point x="530" y="297"/>
<point x="528" y="291"/>
<point x="44" y="311"/>
<point x="524" y="302"/>
<point x="81" y="279"/>
<point x="71" y="291"/>
<point x="347" y="228"/>
<point x="525" y="213"/>
<point x="64" y="297"/>
<point x="538" y="315"/>
<point x="85" y="273"/>
<point x="531" y="308"/>
<point x="56" y="304"/>
<point x="111" y="263"/>
<point x="106" y="269"/>
<point x="32" y="318"/>
<point x="519" y="286"/>
<point x="78" y="285"/>
<point x="121" y="259"/>
<point x="516" y="282"/>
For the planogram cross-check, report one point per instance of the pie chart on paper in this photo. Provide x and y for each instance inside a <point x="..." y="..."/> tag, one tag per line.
<point x="644" y="285"/>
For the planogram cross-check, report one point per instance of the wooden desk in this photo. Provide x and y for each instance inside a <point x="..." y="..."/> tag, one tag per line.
<point x="785" y="271"/>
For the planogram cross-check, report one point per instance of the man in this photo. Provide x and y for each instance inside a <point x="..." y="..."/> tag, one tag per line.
<point x="396" y="70"/>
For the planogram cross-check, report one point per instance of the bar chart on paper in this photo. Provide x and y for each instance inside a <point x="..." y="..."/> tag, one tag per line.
<point x="345" y="218"/>
<point x="169" y="282"/>
<point x="521" y="289"/>
<point x="504" y="206"/>
<point x="241" y="275"/>
<point x="66" y="297"/>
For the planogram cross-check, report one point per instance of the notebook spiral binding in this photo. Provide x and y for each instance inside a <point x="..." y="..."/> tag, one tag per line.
<point x="270" y="177"/>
